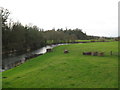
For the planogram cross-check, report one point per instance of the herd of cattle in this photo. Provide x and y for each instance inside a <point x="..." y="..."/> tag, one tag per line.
<point x="94" y="53"/>
<point x="89" y="53"/>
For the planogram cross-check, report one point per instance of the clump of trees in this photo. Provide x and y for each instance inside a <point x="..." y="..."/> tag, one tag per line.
<point x="62" y="36"/>
<point x="21" y="38"/>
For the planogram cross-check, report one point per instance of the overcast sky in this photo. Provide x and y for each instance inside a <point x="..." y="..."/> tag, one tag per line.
<point x="95" y="17"/>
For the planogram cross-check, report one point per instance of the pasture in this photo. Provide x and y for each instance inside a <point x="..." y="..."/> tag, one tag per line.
<point x="71" y="70"/>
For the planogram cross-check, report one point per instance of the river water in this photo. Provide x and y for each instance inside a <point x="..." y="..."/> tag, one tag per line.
<point x="11" y="59"/>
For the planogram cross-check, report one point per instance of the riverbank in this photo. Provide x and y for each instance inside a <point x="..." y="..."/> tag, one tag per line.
<point x="72" y="70"/>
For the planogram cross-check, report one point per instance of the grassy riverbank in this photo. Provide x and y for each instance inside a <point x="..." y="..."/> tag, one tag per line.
<point x="72" y="70"/>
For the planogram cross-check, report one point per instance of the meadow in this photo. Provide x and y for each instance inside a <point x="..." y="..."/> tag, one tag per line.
<point x="72" y="70"/>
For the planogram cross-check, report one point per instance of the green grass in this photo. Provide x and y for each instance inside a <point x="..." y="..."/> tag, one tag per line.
<point x="82" y="40"/>
<point x="72" y="70"/>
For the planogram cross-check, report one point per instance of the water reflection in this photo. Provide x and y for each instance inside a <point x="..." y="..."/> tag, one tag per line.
<point x="10" y="60"/>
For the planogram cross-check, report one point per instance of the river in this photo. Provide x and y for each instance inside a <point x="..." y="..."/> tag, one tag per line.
<point x="9" y="60"/>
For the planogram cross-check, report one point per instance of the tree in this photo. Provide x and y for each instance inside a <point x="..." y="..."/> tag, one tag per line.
<point x="4" y="14"/>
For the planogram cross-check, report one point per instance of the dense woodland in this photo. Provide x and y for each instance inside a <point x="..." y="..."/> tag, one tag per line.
<point x="17" y="37"/>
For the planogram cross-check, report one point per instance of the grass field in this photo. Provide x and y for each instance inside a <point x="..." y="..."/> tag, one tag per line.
<point x="72" y="70"/>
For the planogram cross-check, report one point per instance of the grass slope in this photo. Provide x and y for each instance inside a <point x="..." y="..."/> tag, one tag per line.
<point x="72" y="70"/>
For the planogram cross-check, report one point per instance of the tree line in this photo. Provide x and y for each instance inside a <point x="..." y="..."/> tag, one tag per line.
<point x="17" y="37"/>
<point x="23" y="38"/>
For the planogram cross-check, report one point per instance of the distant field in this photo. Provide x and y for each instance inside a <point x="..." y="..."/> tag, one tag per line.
<point x="93" y="40"/>
<point x="72" y="70"/>
<point x="51" y="41"/>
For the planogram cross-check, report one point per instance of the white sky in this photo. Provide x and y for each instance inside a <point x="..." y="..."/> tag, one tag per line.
<point x="95" y="17"/>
